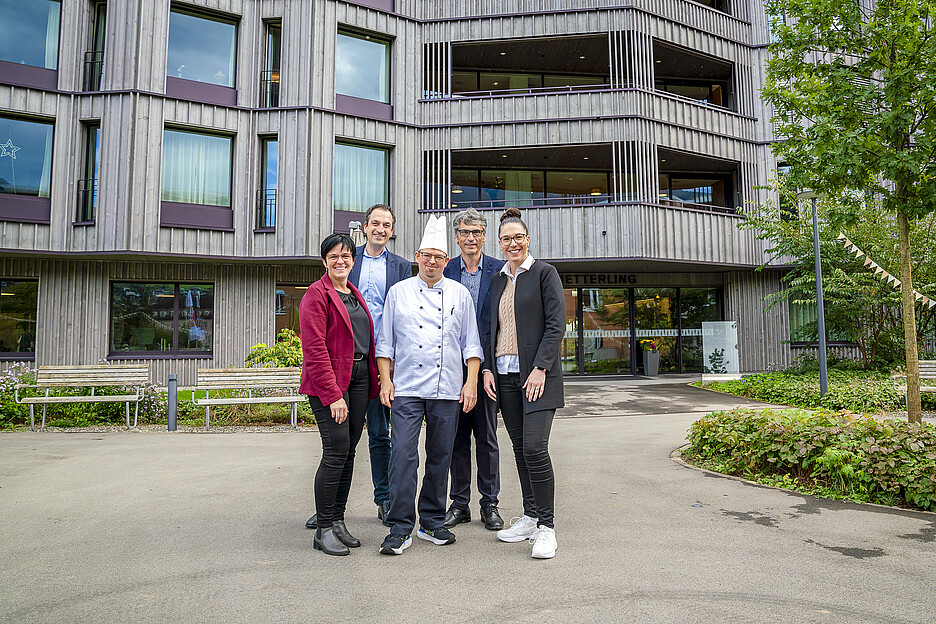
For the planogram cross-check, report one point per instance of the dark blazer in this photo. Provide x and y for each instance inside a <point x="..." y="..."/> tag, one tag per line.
<point x="539" y="307"/>
<point x="328" y="343"/>
<point x="398" y="268"/>
<point x="489" y="267"/>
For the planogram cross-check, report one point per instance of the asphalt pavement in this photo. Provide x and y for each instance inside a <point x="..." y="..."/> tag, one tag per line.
<point x="208" y="527"/>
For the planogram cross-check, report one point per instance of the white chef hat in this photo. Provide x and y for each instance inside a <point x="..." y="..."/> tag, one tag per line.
<point x="435" y="236"/>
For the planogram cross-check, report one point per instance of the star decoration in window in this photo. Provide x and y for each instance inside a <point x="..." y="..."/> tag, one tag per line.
<point x="8" y="149"/>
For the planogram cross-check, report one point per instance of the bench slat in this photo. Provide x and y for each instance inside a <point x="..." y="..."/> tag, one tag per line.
<point x="114" y="398"/>
<point x="253" y="400"/>
<point x="92" y="375"/>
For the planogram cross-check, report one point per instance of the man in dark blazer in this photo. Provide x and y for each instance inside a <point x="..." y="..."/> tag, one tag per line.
<point x="375" y="271"/>
<point x="474" y="270"/>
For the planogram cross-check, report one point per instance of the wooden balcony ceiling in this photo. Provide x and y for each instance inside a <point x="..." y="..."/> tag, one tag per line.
<point x="551" y="55"/>
<point x="591" y="157"/>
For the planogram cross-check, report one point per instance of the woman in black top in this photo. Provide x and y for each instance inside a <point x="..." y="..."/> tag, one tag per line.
<point x="339" y="373"/>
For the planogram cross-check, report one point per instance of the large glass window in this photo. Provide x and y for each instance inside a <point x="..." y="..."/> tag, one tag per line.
<point x="361" y="177"/>
<point x="287" y="306"/>
<point x="25" y="157"/>
<point x="362" y="66"/>
<point x="269" y="148"/>
<point x="697" y="305"/>
<point x="29" y="32"/>
<point x="201" y="48"/>
<point x="655" y="315"/>
<point x="157" y="318"/>
<point x="18" y="305"/>
<point x="517" y="187"/>
<point x="607" y="336"/>
<point x="196" y="168"/>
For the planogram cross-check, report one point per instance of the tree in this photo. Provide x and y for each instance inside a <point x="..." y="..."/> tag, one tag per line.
<point x="854" y="90"/>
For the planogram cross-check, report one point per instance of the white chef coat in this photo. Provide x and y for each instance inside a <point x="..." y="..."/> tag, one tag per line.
<point x="429" y="332"/>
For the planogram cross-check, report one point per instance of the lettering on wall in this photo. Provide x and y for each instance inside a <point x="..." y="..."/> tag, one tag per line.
<point x="572" y="280"/>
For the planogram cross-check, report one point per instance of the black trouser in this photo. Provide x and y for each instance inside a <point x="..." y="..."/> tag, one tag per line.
<point x="333" y="477"/>
<point x="529" y="436"/>
<point x="482" y="422"/>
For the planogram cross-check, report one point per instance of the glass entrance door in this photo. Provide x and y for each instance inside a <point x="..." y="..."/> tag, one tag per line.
<point x="606" y="320"/>
<point x="655" y="316"/>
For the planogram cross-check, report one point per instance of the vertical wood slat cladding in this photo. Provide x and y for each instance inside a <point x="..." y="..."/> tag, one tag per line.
<point x="77" y="334"/>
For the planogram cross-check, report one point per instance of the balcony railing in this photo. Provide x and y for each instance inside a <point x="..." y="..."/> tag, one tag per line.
<point x="93" y="67"/>
<point x="438" y="95"/>
<point x="571" y="201"/>
<point x="87" y="201"/>
<point x="266" y="209"/>
<point x="269" y="88"/>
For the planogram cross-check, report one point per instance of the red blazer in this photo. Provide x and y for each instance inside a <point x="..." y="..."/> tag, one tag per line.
<point x="328" y="344"/>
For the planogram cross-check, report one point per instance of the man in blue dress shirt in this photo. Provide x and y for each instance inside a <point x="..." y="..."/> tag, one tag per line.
<point x="429" y="329"/>
<point x="474" y="270"/>
<point x="373" y="273"/>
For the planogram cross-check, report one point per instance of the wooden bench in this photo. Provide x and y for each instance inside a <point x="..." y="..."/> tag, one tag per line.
<point x="122" y="375"/>
<point x="927" y="375"/>
<point x="250" y="379"/>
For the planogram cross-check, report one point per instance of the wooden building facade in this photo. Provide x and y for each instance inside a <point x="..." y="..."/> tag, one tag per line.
<point x="195" y="153"/>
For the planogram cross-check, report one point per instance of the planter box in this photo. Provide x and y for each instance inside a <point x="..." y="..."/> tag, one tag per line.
<point x="651" y="362"/>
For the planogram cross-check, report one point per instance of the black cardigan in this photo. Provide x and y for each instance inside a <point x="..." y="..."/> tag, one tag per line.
<point x="539" y="307"/>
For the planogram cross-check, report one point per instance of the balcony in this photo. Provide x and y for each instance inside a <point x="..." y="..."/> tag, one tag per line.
<point x="269" y="88"/>
<point x="695" y="181"/>
<point x="87" y="202"/>
<point x="266" y="210"/>
<point x="520" y="67"/>
<point x="690" y="76"/>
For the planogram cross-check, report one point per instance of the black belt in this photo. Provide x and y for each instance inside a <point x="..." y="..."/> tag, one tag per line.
<point x="359" y="356"/>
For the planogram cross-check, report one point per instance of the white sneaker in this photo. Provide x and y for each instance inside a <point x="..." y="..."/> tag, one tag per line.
<point x="544" y="544"/>
<point x="520" y="529"/>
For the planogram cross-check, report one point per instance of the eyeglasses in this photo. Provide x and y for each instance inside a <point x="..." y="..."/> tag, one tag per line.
<point x="428" y="257"/>
<point x="517" y="238"/>
<point x="467" y="233"/>
<point x="334" y="257"/>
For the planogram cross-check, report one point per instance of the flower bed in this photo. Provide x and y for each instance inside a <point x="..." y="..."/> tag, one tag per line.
<point x="890" y="462"/>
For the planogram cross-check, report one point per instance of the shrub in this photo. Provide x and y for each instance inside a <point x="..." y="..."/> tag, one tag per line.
<point x="837" y="455"/>
<point x="855" y="391"/>
<point x="286" y="351"/>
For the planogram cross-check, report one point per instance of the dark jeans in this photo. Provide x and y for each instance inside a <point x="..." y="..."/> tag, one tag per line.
<point x="482" y="422"/>
<point x="529" y="436"/>
<point x="333" y="477"/>
<point x="378" y="437"/>
<point x="407" y="422"/>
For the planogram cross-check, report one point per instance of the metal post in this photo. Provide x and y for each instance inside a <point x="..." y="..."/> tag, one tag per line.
<point x="820" y="307"/>
<point x="173" y="401"/>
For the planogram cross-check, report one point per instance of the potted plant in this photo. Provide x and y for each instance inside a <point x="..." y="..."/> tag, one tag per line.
<point x="651" y="357"/>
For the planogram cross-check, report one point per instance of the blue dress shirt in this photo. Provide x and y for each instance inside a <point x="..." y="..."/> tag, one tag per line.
<point x="429" y="332"/>
<point x="373" y="284"/>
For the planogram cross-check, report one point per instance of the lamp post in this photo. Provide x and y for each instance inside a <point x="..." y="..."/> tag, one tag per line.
<point x="820" y="306"/>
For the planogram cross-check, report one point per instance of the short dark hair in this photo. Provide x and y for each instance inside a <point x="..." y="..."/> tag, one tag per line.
<point x="379" y="207"/>
<point x="334" y="240"/>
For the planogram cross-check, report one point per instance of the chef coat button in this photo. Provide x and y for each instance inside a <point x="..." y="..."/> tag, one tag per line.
<point x="439" y="326"/>
<point x="420" y="366"/>
<point x="439" y="309"/>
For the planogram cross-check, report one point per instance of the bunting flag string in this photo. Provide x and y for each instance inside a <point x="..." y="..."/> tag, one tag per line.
<point x="879" y="271"/>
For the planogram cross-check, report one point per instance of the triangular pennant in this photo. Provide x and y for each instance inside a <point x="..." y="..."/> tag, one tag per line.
<point x="858" y="253"/>
<point x="868" y="261"/>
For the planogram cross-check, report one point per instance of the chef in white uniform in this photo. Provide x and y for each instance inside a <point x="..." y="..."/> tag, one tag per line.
<point x="430" y="329"/>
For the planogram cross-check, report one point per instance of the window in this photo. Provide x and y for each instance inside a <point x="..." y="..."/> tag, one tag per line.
<point x="266" y="202"/>
<point x="196" y="168"/>
<point x="697" y="305"/>
<point x="18" y="305"/>
<point x="29" y="34"/>
<point x="201" y="48"/>
<point x="270" y="76"/>
<point x="94" y="58"/>
<point x="88" y="186"/>
<point x="161" y="319"/>
<point x="361" y="177"/>
<point x="362" y="66"/>
<point x="287" y="306"/>
<point x="25" y="170"/>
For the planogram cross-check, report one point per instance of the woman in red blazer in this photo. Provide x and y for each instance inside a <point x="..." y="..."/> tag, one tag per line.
<point x="339" y="373"/>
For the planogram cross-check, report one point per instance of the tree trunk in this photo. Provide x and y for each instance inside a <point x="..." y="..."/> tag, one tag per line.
<point x="914" y="408"/>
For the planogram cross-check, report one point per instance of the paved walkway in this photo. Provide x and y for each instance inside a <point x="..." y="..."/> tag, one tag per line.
<point x="159" y="527"/>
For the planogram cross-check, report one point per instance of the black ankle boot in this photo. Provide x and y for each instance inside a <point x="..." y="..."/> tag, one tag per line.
<point x="326" y="541"/>
<point x="341" y="532"/>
